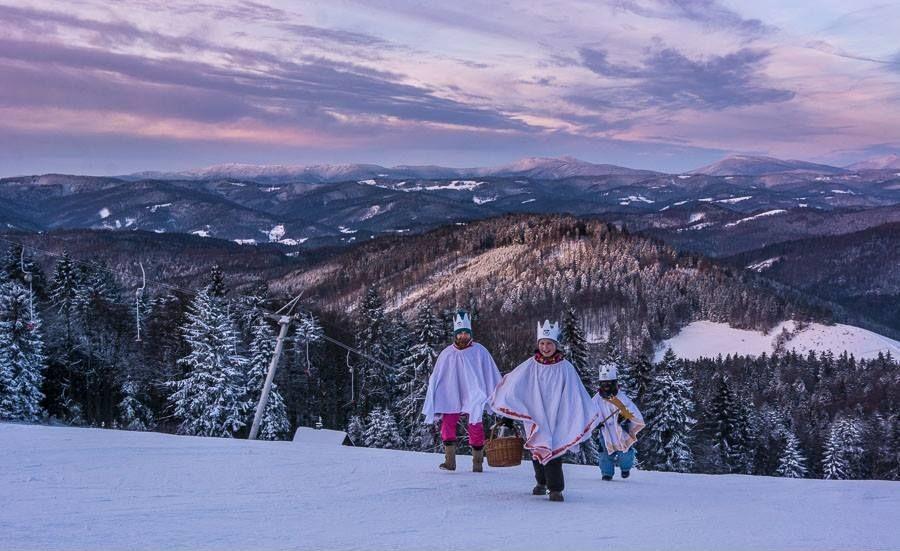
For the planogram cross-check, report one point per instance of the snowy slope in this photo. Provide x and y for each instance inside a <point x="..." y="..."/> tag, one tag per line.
<point x="709" y="339"/>
<point x="67" y="488"/>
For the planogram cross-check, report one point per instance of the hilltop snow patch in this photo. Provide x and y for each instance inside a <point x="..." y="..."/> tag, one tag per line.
<point x="709" y="339"/>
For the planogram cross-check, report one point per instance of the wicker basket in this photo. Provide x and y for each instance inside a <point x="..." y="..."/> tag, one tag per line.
<point x="504" y="451"/>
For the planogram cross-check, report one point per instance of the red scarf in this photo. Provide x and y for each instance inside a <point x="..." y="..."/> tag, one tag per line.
<point x="554" y="359"/>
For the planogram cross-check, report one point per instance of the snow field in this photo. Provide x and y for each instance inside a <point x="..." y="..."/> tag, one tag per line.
<point x="70" y="488"/>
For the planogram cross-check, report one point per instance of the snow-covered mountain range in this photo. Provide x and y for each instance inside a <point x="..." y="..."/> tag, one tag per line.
<point x="534" y="167"/>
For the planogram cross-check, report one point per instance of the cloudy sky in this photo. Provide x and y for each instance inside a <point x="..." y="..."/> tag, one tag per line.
<point x="117" y="87"/>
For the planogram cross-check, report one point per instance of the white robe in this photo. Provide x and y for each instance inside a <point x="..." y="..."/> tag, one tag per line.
<point x="462" y="382"/>
<point x="616" y="439"/>
<point x="552" y="403"/>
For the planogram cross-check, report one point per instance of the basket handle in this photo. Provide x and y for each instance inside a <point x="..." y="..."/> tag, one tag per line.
<point x="499" y="423"/>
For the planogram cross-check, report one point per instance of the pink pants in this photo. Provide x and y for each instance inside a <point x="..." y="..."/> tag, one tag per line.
<point x="448" y="430"/>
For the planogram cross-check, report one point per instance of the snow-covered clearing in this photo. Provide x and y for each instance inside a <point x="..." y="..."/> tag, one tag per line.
<point x="709" y="339"/>
<point x="763" y="264"/>
<point x="482" y="200"/>
<point x="82" y="489"/>
<point x="734" y="200"/>
<point x="276" y="233"/>
<point x="755" y="216"/>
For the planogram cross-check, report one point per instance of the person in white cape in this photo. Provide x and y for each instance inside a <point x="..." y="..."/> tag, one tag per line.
<point x="546" y="394"/>
<point x="621" y="422"/>
<point x="463" y="379"/>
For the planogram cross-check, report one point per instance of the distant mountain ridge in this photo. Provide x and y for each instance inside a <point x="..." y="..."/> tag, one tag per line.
<point x="748" y="165"/>
<point x="883" y="162"/>
<point x="534" y="167"/>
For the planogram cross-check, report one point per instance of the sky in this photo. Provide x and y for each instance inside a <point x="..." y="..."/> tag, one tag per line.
<point x="109" y="88"/>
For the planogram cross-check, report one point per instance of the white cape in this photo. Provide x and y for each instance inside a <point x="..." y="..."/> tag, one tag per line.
<point x="461" y="382"/>
<point x="552" y="403"/>
<point x="616" y="439"/>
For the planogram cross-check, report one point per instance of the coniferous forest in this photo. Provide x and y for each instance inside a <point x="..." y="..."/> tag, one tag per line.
<point x="78" y="347"/>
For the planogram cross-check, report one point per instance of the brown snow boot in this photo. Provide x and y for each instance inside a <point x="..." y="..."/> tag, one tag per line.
<point x="477" y="460"/>
<point x="556" y="496"/>
<point x="449" y="463"/>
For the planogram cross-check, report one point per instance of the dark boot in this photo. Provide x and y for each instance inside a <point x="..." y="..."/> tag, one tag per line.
<point x="477" y="460"/>
<point x="626" y="474"/>
<point x="556" y="496"/>
<point x="449" y="463"/>
<point x="540" y="478"/>
<point x="607" y="478"/>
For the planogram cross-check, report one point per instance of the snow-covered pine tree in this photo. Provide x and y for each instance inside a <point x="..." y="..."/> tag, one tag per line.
<point x="843" y="449"/>
<point x="63" y="291"/>
<point x="669" y="405"/>
<point x="275" y="424"/>
<point x="791" y="463"/>
<point x="636" y="377"/>
<point x="210" y="399"/>
<point x="382" y="431"/>
<point x="133" y="413"/>
<point x="574" y="346"/>
<point x="611" y="355"/>
<point x="730" y="436"/>
<point x="415" y="371"/>
<point x="356" y="430"/>
<point x="374" y="379"/>
<point x="217" y="287"/>
<point x="22" y="360"/>
<point x="250" y="306"/>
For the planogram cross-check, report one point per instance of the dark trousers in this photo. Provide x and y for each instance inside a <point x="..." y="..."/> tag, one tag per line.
<point x="550" y="475"/>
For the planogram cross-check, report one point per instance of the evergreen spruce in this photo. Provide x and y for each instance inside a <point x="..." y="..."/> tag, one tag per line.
<point x="63" y="291"/>
<point x="791" y="464"/>
<point x="210" y="399"/>
<point x="22" y="360"/>
<point x="415" y="371"/>
<point x="729" y="430"/>
<point x="636" y="377"/>
<point x="382" y="431"/>
<point x="843" y="450"/>
<point x="669" y="406"/>
<point x="133" y="413"/>
<point x="375" y="379"/>
<point x="356" y="430"/>
<point x="574" y="346"/>
<point x="217" y="287"/>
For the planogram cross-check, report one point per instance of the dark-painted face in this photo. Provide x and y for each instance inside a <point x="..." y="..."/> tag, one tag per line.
<point x="608" y="389"/>
<point x="463" y="338"/>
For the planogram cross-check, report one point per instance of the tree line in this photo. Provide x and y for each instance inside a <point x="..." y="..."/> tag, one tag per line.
<point x="69" y="351"/>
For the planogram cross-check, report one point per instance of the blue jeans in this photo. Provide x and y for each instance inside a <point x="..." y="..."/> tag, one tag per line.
<point x="607" y="461"/>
